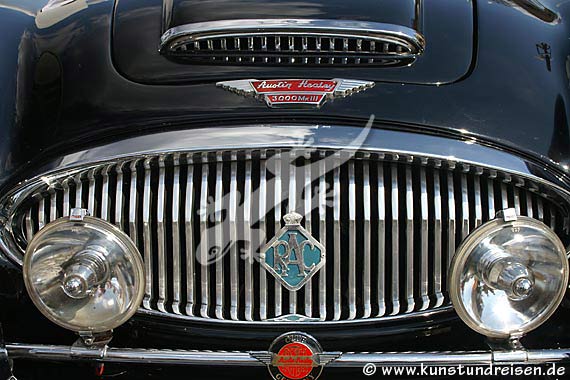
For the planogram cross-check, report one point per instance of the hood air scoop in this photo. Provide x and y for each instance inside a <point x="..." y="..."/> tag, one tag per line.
<point x="293" y="42"/>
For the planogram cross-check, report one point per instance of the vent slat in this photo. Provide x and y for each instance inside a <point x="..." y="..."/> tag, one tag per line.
<point x="218" y="229"/>
<point x="161" y="233"/>
<point x="234" y="270"/>
<point x="322" y="235"/>
<point x="381" y="242"/>
<point x="424" y="267"/>
<point x="147" y="238"/>
<point x="248" y="273"/>
<point x="409" y="288"/>
<point x="176" y="259"/>
<point x="337" y="303"/>
<point x="368" y="202"/>
<point x="395" y="283"/>
<point x="277" y="191"/>
<point x="307" y="213"/>
<point x="203" y="256"/>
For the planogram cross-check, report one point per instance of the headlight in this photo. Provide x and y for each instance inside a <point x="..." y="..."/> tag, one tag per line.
<point x="508" y="276"/>
<point x="84" y="275"/>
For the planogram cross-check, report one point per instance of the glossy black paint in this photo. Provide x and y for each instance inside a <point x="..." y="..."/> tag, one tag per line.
<point x="80" y="76"/>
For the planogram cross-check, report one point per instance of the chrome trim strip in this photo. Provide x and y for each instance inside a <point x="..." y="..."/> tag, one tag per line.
<point x="380" y="32"/>
<point x="243" y="358"/>
<point x="478" y="208"/>
<point x="395" y="241"/>
<point x="146" y="234"/>
<point x="161" y="234"/>
<point x="367" y="200"/>
<point x="219" y="230"/>
<point x="204" y="241"/>
<point x="278" y="190"/>
<point x="133" y="204"/>
<point x="409" y="263"/>
<point x="322" y="234"/>
<point x="262" y="234"/>
<point x="290" y="158"/>
<point x="307" y="190"/>
<point x="381" y="242"/>
<point x="451" y="219"/>
<point x="118" y="196"/>
<point x="176" y="259"/>
<point x="66" y="194"/>
<point x="105" y="207"/>
<point x="190" y="249"/>
<point x="351" y="241"/>
<point x="337" y="300"/>
<point x="491" y="196"/>
<point x="424" y="267"/>
<point x="437" y="241"/>
<point x="234" y="254"/>
<point x="464" y="207"/>
<point x="248" y="260"/>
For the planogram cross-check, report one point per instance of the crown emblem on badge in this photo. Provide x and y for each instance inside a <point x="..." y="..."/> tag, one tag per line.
<point x="294" y="93"/>
<point x="293" y="256"/>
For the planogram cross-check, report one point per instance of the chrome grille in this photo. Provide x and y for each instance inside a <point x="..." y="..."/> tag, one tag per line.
<point x="292" y="42"/>
<point x="390" y="224"/>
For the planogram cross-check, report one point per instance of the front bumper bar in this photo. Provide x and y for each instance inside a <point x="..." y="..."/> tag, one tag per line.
<point x="242" y="358"/>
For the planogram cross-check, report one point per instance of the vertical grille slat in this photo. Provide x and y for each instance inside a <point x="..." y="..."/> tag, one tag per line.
<point x="351" y="242"/>
<point x="248" y="273"/>
<point x="307" y="212"/>
<point x="450" y="219"/>
<point x="390" y="225"/>
<point x="322" y="235"/>
<point x="189" y="235"/>
<point x="409" y="222"/>
<point x="161" y="233"/>
<point x="277" y="211"/>
<point x="424" y="281"/>
<point x="381" y="242"/>
<point x="292" y="196"/>
<point x="234" y="270"/>
<point x="147" y="236"/>
<point x="204" y="241"/>
<point x="219" y="239"/>
<point x="395" y="283"/>
<point x="176" y="259"/>
<point x="367" y="237"/>
<point x="439" y="268"/>
<point x="337" y="305"/>
<point x="262" y="228"/>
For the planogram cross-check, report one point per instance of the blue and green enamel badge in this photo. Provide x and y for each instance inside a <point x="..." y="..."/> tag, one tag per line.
<point x="293" y="256"/>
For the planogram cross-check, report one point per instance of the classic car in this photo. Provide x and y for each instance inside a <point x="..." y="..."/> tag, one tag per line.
<point x="284" y="189"/>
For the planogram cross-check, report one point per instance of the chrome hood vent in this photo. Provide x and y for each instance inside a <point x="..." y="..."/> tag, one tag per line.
<point x="292" y="42"/>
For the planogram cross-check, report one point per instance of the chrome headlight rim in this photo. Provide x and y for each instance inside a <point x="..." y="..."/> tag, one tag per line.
<point x="462" y="255"/>
<point x="121" y="238"/>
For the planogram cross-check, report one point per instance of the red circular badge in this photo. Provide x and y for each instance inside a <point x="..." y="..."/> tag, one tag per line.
<point x="295" y="361"/>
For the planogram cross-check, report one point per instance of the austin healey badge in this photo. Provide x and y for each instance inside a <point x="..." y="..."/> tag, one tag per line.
<point x="293" y="256"/>
<point x="293" y="93"/>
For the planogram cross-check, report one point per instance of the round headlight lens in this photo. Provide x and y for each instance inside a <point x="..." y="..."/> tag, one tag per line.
<point x="508" y="277"/>
<point x="84" y="275"/>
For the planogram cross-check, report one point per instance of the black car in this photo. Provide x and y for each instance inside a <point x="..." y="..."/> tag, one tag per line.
<point x="279" y="189"/>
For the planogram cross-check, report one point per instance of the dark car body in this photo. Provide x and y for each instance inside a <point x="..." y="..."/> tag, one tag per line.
<point x="82" y="81"/>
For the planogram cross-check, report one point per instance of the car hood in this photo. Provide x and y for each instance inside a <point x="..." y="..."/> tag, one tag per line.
<point x="140" y="28"/>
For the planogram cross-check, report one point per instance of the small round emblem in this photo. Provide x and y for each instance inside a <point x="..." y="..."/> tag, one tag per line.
<point x="295" y="356"/>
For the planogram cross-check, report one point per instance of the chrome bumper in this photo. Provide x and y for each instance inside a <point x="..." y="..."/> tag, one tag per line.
<point x="242" y="358"/>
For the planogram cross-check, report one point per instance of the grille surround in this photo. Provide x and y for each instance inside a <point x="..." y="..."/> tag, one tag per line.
<point x="293" y="42"/>
<point x="18" y="198"/>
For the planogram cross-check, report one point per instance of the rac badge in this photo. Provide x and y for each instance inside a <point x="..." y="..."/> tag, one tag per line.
<point x="295" y="356"/>
<point x="293" y="256"/>
<point x="296" y="93"/>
